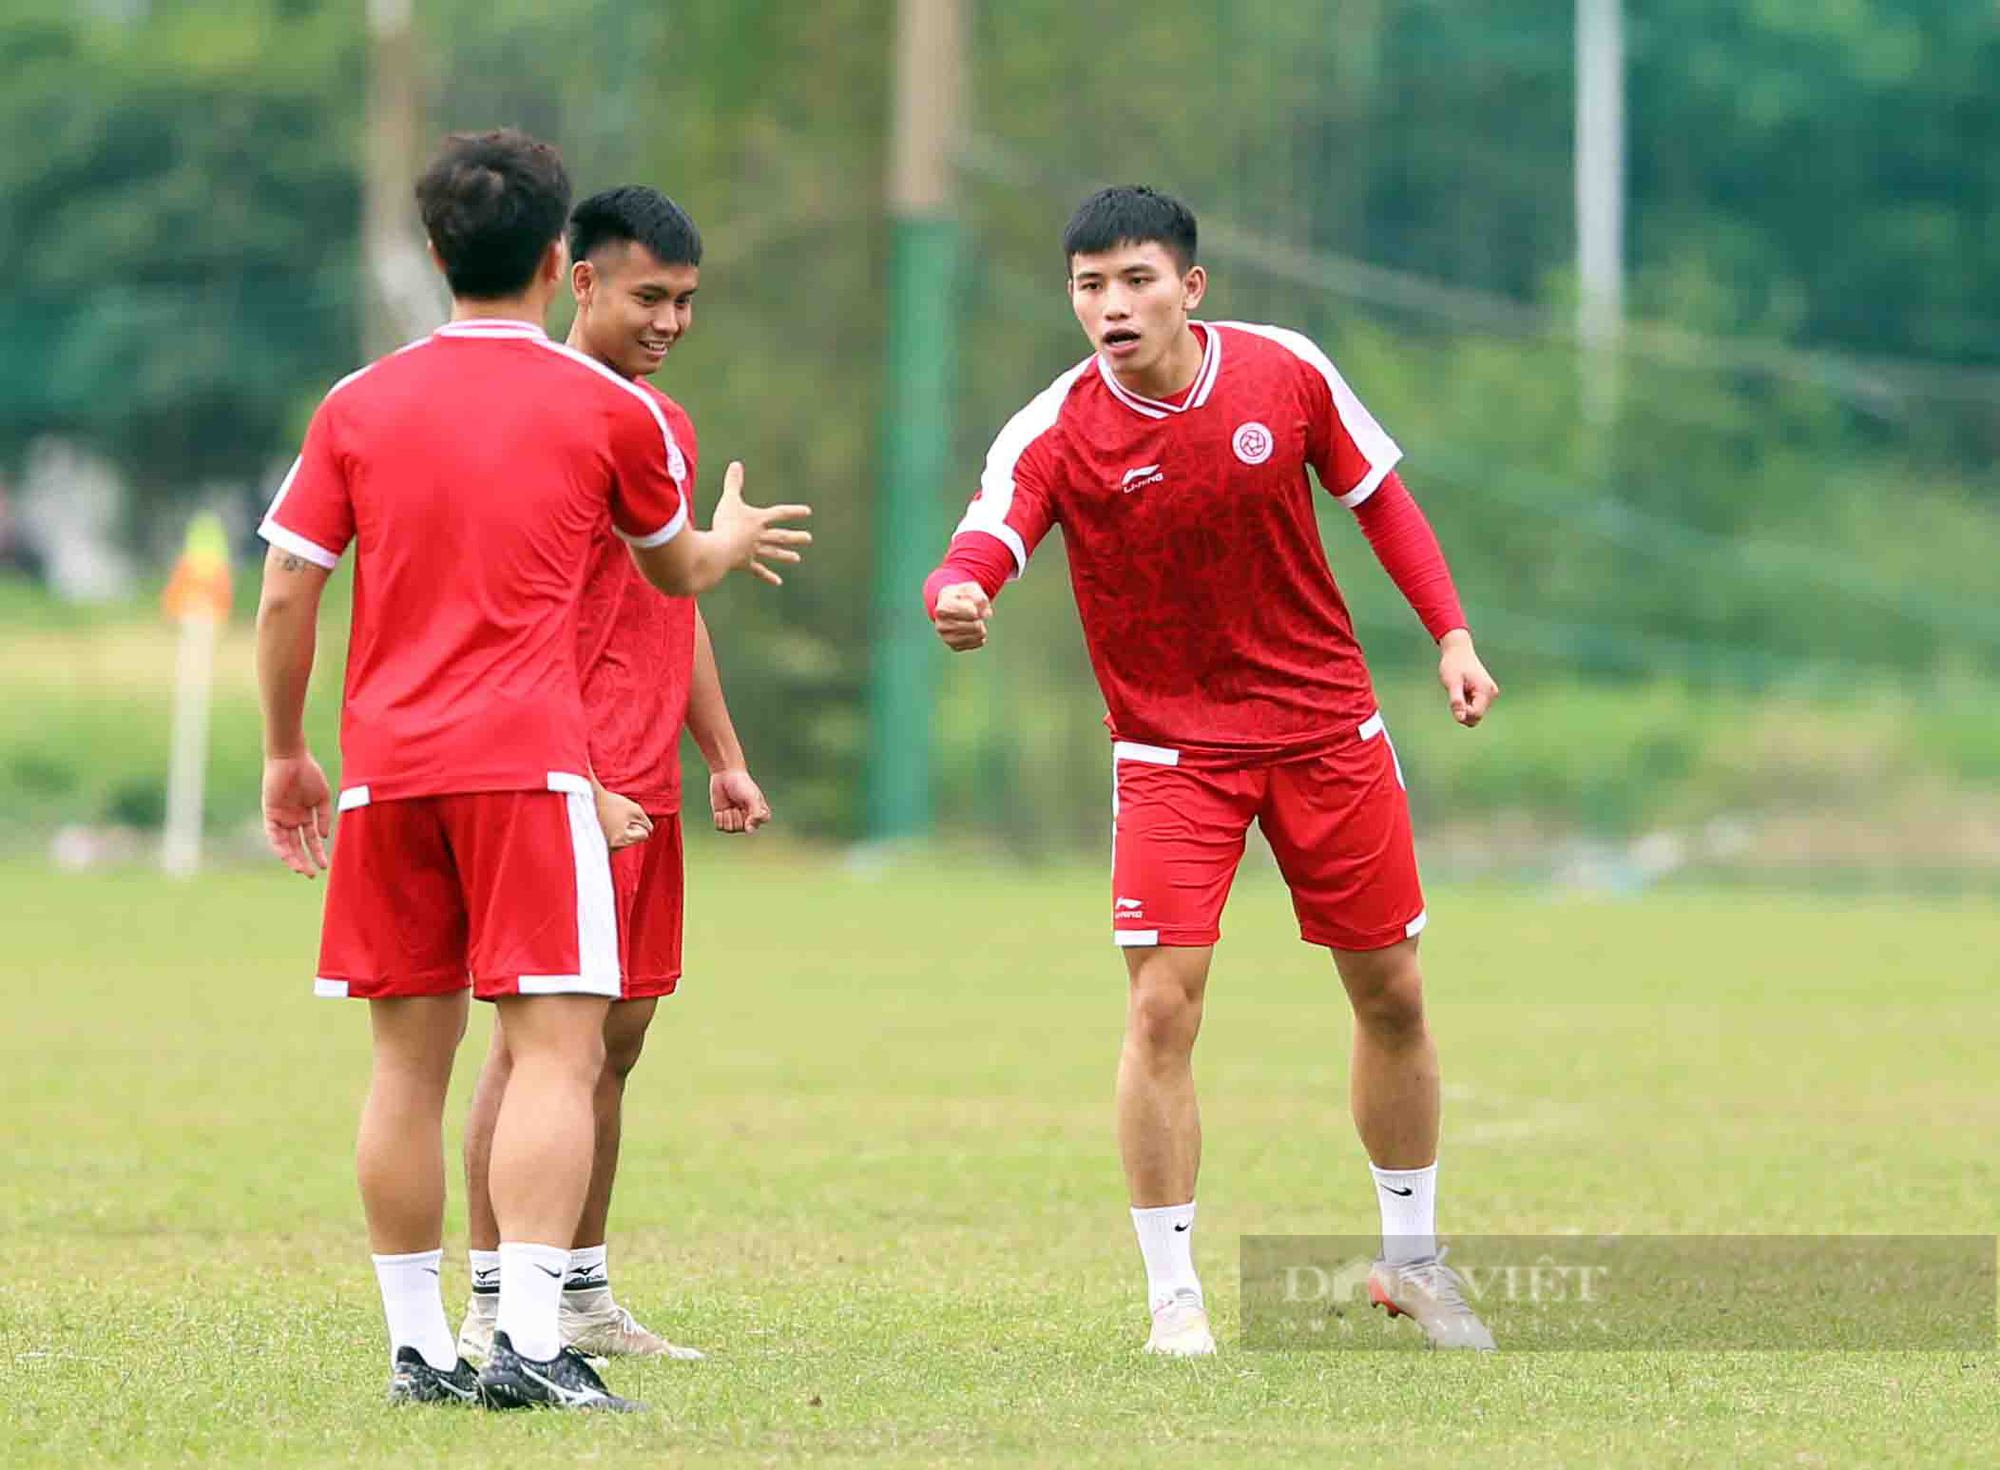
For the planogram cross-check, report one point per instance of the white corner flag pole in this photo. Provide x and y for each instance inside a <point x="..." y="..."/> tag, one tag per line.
<point x="197" y="597"/>
<point x="194" y="669"/>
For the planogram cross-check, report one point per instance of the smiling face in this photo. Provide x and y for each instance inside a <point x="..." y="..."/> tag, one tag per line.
<point x="1133" y="302"/>
<point x="630" y="307"/>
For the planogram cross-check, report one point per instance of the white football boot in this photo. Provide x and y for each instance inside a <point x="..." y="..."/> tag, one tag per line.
<point x="598" y="1327"/>
<point x="1431" y="1295"/>
<point x="1180" y="1328"/>
<point x="482" y="1315"/>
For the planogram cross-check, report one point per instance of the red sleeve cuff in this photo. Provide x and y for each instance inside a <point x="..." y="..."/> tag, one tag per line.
<point x="975" y="556"/>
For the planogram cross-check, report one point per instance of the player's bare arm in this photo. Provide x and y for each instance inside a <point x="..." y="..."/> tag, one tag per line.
<point x="1467" y="685"/>
<point x="963" y="610"/>
<point x="734" y="797"/>
<point x="297" y="802"/>
<point x="741" y="538"/>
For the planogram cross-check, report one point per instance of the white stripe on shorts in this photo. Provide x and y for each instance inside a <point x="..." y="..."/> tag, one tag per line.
<point x="596" y="910"/>
<point x="1152" y="755"/>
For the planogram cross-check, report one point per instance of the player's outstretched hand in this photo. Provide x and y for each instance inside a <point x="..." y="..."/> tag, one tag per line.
<point x="737" y="801"/>
<point x="962" y="611"/>
<point x="1467" y="685"/>
<point x="755" y="532"/>
<point x="298" y="812"/>
<point x="622" y="819"/>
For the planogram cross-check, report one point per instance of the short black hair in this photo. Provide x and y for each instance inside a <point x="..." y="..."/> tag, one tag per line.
<point x="633" y="212"/>
<point x="492" y="204"/>
<point x="1131" y="214"/>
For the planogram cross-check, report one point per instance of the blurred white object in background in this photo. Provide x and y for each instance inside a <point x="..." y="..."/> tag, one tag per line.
<point x="70" y="506"/>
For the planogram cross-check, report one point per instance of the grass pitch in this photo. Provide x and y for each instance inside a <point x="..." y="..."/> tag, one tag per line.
<point x="869" y="1167"/>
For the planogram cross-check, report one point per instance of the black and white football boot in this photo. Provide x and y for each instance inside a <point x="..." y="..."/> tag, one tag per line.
<point x="413" y="1381"/>
<point x="566" y="1381"/>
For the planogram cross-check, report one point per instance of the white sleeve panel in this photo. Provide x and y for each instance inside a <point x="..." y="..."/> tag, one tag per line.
<point x="993" y="509"/>
<point x="1377" y="448"/>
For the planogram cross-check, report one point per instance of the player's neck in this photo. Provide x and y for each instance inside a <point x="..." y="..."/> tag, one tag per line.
<point x="1173" y="374"/>
<point x="531" y="309"/>
<point x="576" y="342"/>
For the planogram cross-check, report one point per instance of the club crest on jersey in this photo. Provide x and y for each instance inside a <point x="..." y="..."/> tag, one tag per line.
<point x="1140" y="476"/>
<point x="1253" y="443"/>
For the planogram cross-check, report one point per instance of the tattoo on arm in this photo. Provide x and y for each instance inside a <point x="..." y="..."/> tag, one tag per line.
<point x="292" y="563"/>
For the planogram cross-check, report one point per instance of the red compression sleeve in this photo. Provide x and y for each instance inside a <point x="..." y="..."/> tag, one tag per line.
<point x="975" y="556"/>
<point x="1409" y="552"/>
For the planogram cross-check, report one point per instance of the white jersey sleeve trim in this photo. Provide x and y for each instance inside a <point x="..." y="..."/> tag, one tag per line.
<point x="297" y="545"/>
<point x="988" y="512"/>
<point x="1370" y="483"/>
<point x="283" y="537"/>
<point x="287" y="539"/>
<point x="665" y="534"/>
<point x="1381" y="452"/>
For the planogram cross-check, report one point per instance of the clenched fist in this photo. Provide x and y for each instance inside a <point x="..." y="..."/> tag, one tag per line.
<point x="960" y="620"/>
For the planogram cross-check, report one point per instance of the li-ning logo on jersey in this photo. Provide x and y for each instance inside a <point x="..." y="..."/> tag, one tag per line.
<point x="1253" y="443"/>
<point x="1138" y="478"/>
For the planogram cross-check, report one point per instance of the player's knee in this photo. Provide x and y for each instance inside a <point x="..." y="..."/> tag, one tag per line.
<point x="621" y="1055"/>
<point x="1163" y="1018"/>
<point x="578" y="1059"/>
<point x="1394" y="1008"/>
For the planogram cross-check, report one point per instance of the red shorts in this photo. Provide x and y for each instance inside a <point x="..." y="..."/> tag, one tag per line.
<point x="506" y="891"/>
<point x="1338" y="823"/>
<point x="648" y="879"/>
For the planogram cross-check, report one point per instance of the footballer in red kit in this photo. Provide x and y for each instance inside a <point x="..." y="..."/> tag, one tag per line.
<point x="461" y="677"/>
<point x="471" y="473"/>
<point x="647" y="669"/>
<point x="1175" y="459"/>
<point x="635" y="658"/>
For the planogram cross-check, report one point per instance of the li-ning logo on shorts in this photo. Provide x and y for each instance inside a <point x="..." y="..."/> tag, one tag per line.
<point x="1139" y="476"/>
<point x="1253" y="443"/>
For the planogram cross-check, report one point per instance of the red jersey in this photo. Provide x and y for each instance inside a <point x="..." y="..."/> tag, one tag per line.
<point x="472" y="470"/>
<point x="1211" y="616"/>
<point x="635" y="653"/>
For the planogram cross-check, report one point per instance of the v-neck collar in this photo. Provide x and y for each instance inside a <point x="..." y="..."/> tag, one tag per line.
<point x="1197" y="395"/>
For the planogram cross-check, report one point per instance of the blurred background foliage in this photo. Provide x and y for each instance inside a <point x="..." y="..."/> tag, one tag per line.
<point x="1765" y="589"/>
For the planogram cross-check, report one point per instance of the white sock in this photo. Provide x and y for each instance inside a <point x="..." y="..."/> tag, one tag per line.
<point x="1166" y="1240"/>
<point x="531" y="1278"/>
<point x="588" y="1269"/>
<point x="485" y="1280"/>
<point x="414" y="1306"/>
<point x="1409" y="1212"/>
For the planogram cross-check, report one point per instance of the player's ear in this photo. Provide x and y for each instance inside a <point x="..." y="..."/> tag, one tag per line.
<point x="582" y="280"/>
<point x="1194" y="286"/>
<point x="555" y="261"/>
